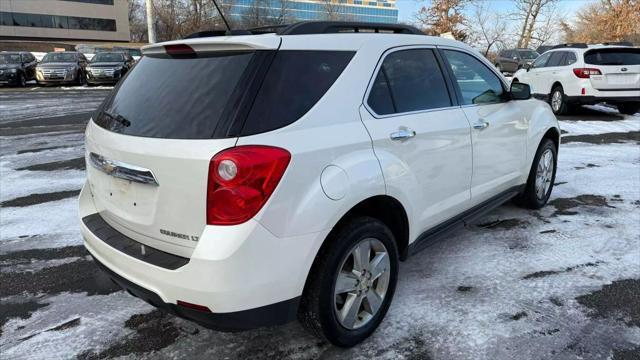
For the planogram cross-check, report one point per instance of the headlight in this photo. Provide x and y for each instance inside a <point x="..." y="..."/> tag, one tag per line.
<point x="13" y="71"/>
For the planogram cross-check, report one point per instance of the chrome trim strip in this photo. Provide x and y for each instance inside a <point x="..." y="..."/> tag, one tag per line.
<point x="122" y="170"/>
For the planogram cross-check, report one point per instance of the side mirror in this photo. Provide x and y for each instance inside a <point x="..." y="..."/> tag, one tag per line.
<point x="520" y="91"/>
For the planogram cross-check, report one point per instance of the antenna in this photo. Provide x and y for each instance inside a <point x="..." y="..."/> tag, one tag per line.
<point x="222" y="15"/>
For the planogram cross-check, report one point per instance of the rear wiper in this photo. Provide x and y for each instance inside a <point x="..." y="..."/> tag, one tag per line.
<point x="117" y="117"/>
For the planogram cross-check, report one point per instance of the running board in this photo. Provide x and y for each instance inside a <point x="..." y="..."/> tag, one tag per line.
<point x="440" y="231"/>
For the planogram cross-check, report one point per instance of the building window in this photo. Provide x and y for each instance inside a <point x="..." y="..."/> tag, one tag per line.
<point x="57" y="22"/>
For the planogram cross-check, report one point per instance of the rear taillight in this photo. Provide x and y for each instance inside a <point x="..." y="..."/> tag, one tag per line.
<point x="585" y="73"/>
<point x="241" y="179"/>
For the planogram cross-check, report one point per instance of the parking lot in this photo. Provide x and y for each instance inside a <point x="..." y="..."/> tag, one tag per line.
<point x="559" y="283"/>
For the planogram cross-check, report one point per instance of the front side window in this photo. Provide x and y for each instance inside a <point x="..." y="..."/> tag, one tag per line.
<point x="408" y="80"/>
<point x="477" y="84"/>
<point x="528" y="54"/>
<point x="541" y="61"/>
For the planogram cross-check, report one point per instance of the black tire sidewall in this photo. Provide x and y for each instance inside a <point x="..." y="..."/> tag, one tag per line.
<point x="530" y="196"/>
<point x="22" y="80"/>
<point x="333" y="330"/>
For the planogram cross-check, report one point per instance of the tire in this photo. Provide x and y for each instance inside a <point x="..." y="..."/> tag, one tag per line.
<point x="628" y="109"/>
<point x="531" y="197"/>
<point x="321" y="311"/>
<point x="22" y="81"/>
<point x="558" y="101"/>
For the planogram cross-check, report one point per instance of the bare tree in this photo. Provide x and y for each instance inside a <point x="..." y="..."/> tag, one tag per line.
<point x="529" y="13"/>
<point x="488" y="28"/>
<point x="444" y="16"/>
<point x="137" y="21"/>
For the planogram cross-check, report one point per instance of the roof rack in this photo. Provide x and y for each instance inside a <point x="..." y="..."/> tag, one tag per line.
<point x="571" y="45"/>
<point x="619" y="43"/>
<point x="316" y="27"/>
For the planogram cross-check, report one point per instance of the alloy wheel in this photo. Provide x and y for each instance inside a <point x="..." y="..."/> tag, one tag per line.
<point x="556" y="101"/>
<point x="362" y="283"/>
<point x="544" y="174"/>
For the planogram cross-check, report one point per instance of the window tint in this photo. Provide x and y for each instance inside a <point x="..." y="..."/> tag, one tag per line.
<point x="296" y="80"/>
<point x="175" y="98"/>
<point x="556" y="59"/>
<point x="477" y="84"/>
<point x="541" y="60"/>
<point x="613" y="56"/>
<point x="414" y="81"/>
<point x="570" y="58"/>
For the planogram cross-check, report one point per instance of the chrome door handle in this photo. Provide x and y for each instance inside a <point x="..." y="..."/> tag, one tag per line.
<point x="402" y="134"/>
<point x="481" y="125"/>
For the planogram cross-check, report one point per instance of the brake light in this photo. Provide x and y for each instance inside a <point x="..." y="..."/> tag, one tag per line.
<point x="585" y="73"/>
<point x="241" y="180"/>
<point x="179" y="49"/>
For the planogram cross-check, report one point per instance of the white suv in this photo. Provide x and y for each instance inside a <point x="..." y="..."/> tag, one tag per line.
<point x="580" y="74"/>
<point x="241" y="181"/>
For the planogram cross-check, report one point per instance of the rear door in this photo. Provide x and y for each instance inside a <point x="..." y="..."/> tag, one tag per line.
<point x="150" y="143"/>
<point x="420" y="137"/>
<point x="620" y="68"/>
<point x="498" y="125"/>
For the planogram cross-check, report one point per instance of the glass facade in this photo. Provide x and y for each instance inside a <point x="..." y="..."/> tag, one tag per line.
<point x="56" y="21"/>
<point x="284" y="11"/>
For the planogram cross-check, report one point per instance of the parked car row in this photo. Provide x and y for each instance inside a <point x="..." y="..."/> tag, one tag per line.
<point x="64" y="67"/>
<point x="572" y="75"/>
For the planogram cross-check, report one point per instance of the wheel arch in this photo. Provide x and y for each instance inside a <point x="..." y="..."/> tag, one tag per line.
<point x="554" y="85"/>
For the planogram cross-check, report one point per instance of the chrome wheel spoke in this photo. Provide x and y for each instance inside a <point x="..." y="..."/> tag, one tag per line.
<point x="361" y="256"/>
<point x="378" y="265"/>
<point x="350" y="310"/>
<point x="346" y="282"/>
<point x="373" y="302"/>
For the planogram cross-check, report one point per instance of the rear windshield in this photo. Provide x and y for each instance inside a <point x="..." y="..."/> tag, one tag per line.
<point x="174" y="98"/>
<point x="619" y="56"/>
<point x="197" y="98"/>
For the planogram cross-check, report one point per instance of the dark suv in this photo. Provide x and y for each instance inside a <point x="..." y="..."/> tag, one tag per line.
<point x="512" y="60"/>
<point x="108" y="67"/>
<point x="16" y="68"/>
<point x="62" y="68"/>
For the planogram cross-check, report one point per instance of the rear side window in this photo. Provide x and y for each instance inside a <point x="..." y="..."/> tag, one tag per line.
<point x="570" y="58"/>
<point x="556" y="59"/>
<point x="296" y="80"/>
<point x="615" y="56"/>
<point x="174" y="98"/>
<point x="408" y="80"/>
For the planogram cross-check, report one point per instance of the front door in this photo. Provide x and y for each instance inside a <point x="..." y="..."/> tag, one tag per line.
<point x="421" y="139"/>
<point x="498" y="127"/>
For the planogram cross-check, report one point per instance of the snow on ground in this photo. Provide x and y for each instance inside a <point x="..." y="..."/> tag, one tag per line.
<point x="514" y="285"/>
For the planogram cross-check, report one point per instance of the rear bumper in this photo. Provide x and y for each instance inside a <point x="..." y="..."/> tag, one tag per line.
<point x="269" y="315"/>
<point x="590" y="100"/>
<point x="244" y="274"/>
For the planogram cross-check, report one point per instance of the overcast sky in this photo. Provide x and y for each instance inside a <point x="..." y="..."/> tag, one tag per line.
<point x="408" y="8"/>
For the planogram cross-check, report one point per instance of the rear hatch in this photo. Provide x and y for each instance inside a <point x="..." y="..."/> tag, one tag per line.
<point x="150" y="143"/>
<point x="620" y="68"/>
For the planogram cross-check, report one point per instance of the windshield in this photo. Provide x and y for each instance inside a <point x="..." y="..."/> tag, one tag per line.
<point x="9" y="59"/>
<point x="615" y="56"/>
<point x="59" y="57"/>
<point x="528" y="54"/>
<point x="108" y="57"/>
<point x="174" y="98"/>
